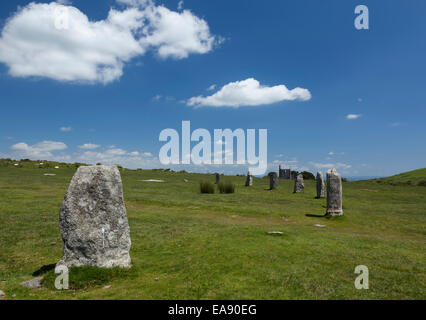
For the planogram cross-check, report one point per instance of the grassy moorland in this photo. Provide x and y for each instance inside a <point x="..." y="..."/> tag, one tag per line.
<point x="415" y="177"/>
<point x="188" y="245"/>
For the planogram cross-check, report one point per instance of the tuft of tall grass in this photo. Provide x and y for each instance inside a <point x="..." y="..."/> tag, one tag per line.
<point x="206" y="187"/>
<point x="226" y="187"/>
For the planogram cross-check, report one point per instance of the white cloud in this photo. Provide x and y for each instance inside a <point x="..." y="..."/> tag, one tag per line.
<point x="337" y="165"/>
<point x="212" y="87"/>
<point x="331" y="153"/>
<point x="89" y="146"/>
<point x="59" y="42"/>
<point x="65" y="129"/>
<point x="115" y="152"/>
<point x="395" y="124"/>
<point x="353" y="116"/>
<point x="41" y="149"/>
<point x="249" y="92"/>
<point x="175" y="34"/>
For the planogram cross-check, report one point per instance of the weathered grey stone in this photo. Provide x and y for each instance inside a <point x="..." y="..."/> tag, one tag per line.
<point x="2" y="293"/>
<point x="249" y="180"/>
<point x="299" y="184"/>
<point x="273" y="180"/>
<point x="334" y="193"/>
<point x="33" y="283"/>
<point x="320" y="185"/>
<point x="217" y="177"/>
<point x="93" y="220"/>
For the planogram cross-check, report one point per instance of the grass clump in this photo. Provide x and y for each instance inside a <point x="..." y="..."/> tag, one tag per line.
<point x="226" y="187"/>
<point x="86" y="277"/>
<point x="206" y="187"/>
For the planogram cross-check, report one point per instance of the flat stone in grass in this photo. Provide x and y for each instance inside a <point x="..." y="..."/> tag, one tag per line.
<point x="299" y="185"/>
<point x="33" y="283"/>
<point x="2" y="293"/>
<point x="93" y="220"/>
<point x="334" y="193"/>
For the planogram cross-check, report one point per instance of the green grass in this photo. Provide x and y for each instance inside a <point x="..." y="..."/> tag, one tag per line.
<point x="226" y="187"/>
<point x="188" y="245"/>
<point x="207" y="187"/>
<point x="87" y="277"/>
<point x="415" y="177"/>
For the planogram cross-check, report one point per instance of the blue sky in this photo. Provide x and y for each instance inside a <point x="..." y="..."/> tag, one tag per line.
<point x="55" y="109"/>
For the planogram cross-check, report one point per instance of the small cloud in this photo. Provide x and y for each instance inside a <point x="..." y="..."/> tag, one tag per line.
<point x="359" y="99"/>
<point x="147" y="154"/>
<point x="337" y="165"/>
<point x="134" y="153"/>
<point x="89" y="146"/>
<point x="41" y="149"/>
<point x="353" y="116"/>
<point x="212" y="87"/>
<point x="249" y="92"/>
<point x="157" y="97"/>
<point x="331" y="153"/>
<point x="395" y="124"/>
<point x="65" y="129"/>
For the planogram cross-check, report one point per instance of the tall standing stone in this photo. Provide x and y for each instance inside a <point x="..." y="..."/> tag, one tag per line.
<point x="217" y="178"/>
<point x="320" y="185"/>
<point x="334" y="193"/>
<point x="273" y="180"/>
<point x="249" y="180"/>
<point x="299" y="184"/>
<point x="93" y="220"/>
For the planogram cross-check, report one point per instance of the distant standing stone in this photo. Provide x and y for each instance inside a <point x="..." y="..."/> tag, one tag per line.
<point x="320" y="185"/>
<point x="93" y="220"/>
<point x="217" y="177"/>
<point x="334" y="193"/>
<point x="273" y="180"/>
<point x="2" y="293"/>
<point x="299" y="185"/>
<point x="249" y="181"/>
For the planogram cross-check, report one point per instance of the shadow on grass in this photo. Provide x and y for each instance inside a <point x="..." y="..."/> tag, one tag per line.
<point x="44" y="269"/>
<point x="87" y="276"/>
<point x="315" y="215"/>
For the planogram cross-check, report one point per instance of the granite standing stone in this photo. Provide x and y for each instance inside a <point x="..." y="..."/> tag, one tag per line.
<point x="217" y="178"/>
<point x="273" y="180"/>
<point x="249" y="181"/>
<point x="93" y="220"/>
<point x="334" y="193"/>
<point x="320" y="185"/>
<point x="299" y="185"/>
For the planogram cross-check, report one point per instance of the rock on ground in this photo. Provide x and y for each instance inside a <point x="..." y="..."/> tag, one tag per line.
<point x="273" y="180"/>
<point x="33" y="283"/>
<point x="93" y="220"/>
<point x="249" y="180"/>
<point x="299" y="184"/>
<point x="334" y="193"/>
<point x="320" y="185"/>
